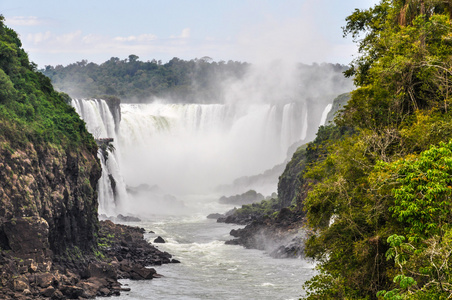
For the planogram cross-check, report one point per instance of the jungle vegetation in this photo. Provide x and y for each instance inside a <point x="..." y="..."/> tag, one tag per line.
<point x="380" y="203"/>
<point x="133" y="80"/>
<point x="195" y="81"/>
<point x="30" y="109"/>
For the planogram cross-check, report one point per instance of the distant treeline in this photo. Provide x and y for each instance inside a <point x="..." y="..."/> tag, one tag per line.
<point x="197" y="80"/>
<point x="134" y="80"/>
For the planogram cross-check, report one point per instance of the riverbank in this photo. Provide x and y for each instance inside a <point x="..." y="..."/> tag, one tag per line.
<point x="122" y="253"/>
<point x="212" y="270"/>
<point x="280" y="235"/>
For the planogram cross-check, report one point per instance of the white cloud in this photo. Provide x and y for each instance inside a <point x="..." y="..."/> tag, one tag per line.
<point x="185" y="34"/>
<point x="134" y="38"/>
<point x="39" y="37"/>
<point x="69" y="47"/>
<point x="91" y="39"/>
<point x="70" y="38"/>
<point x="24" y="21"/>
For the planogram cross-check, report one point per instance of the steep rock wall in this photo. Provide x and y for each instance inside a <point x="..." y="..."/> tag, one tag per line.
<point x="46" y="184"/>
<point x="290" y="180"/>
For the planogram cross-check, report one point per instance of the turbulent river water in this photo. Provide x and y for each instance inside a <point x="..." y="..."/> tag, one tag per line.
<point x="209" y="269"/>
<point x="166" y="151"/>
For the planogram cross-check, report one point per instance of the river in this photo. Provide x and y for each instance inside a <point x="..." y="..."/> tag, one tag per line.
<point x="209" y="269"/>
<point x="169" y="150"/>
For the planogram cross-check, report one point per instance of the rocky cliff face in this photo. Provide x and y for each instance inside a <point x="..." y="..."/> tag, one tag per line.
<point x="49" y="172"/>
<point x="50" y="193"/>
<point x="290" y="181"/>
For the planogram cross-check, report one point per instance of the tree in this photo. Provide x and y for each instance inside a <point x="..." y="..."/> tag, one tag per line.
<point x="133" y="58"/>
<point x="371" y="185"/>
<point x="423" y="205"/>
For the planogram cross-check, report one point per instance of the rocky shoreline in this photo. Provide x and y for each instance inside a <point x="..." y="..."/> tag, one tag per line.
<point x="122" y="253"/>
<point x="281" y="236"/>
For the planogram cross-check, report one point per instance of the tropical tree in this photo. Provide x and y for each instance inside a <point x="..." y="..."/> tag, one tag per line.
<point x="371" y="185"/>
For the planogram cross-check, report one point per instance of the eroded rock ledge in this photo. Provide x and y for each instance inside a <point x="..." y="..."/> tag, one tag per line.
<point x="122" y="253"/>
<point x="281" y="236"/>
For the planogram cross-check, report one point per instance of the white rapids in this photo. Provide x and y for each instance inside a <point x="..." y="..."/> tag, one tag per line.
<point x="179" y="153"/>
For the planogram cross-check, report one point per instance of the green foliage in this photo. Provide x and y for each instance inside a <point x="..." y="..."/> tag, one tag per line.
<point x="264" y="208"/>
<point x="423" y="200"/>
<point x="196" y="80"/>
<point x="379" y="204"/>
<point x="402" y="68"/>
<point x="396" y="294"/>
<point x="422" y="204"/>
<point x="30" y="109"/>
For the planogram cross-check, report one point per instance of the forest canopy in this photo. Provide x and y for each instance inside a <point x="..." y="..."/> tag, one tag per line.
<point x="195" y="81"/>
<point x="381" y="198"/>
<point x="30" y="109"/>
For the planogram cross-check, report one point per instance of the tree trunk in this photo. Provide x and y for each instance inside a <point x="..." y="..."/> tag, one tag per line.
<point x="422" y="35"/>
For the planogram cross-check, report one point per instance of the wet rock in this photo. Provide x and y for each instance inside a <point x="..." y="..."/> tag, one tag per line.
<point x="101" y="269"/>
<point x="215" y="216"/>
<point x="72" y="292"/>
<point x="84" y="277"/>
<point x="44" y="280"/>
<point x="92" y="286"/>
<point x="281" y="236"/>
<point x="160" y="240"/>
<point x="48" y="292"/>
<point x="122" y="218"/>
<point x="20" y="285"/>
<point x="239" y="219"/>
<point x="28" y="237"/>
<point x="58" y="295"/>
<point x="232" y="242"/>
<point x="175" y="261"/>
<point x="27" y="292"/>
<point x="104" y="292"/>
<point x="139" y="272"/>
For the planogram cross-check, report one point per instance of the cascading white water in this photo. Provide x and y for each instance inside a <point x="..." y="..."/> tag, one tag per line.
<point x="188" y="148"/>
<point x="100" y="122"/>
<point x="325" y="114"/>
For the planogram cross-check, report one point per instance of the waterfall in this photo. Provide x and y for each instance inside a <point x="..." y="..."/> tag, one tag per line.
<point x="184" y="149"/>
<point x="194" y="147"/>
<point x="100" y="121"/>
<point x="325" y="114"/>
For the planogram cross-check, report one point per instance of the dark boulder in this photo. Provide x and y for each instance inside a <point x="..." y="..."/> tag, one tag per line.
<point x="215" y="216"/>
<point x="139" y="272"/>
<point x="122" y="218"/>
<point x="160" y="240"/>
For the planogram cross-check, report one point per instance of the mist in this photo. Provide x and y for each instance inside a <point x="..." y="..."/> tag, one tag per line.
<point x="206" y="123"/>
<point x="193" y="148"/>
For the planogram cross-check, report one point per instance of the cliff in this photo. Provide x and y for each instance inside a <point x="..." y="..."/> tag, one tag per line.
<point x="290" y="181"/>
<point x="338" y="104"/>
<point x="48" y="167"/>
<point x="52" y="244"/>
<point x="55" y="187"/>
<point x="48" y="170"/>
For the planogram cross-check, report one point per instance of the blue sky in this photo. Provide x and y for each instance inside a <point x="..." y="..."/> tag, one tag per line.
<point x="62" y="32"/>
